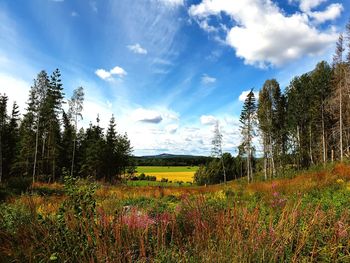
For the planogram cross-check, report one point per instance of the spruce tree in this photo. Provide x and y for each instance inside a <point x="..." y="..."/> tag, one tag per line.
<point x="3" y="120"/>
<point x="248" y="123"/>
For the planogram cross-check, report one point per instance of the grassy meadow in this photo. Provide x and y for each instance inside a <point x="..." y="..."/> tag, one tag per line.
<point x="302" y="218"/>
<point x="172" y="173"/>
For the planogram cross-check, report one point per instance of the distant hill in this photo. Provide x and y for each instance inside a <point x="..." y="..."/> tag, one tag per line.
<point x="166" y="159"/>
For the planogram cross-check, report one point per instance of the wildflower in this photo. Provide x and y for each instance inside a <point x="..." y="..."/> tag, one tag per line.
<point x="137" y="220"/>
<point x="340" y="181"/>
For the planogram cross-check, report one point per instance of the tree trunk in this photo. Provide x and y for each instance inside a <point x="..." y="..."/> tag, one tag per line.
<point x="223" y="167"/>
<point x="36" y="150"/>
<point x="323" y="138"/>
<point x="341" y="124"/>
<point x="273" y="170"/>
<point x="310" y="145"/>
<point x="298" y="138"/>
<point x="74" y="141"/>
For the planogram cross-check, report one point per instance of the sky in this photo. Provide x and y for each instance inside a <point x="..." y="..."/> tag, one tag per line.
<point x="167" y="69"/>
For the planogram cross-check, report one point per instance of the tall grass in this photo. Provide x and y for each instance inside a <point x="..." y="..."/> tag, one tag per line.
<point x="266" y="223"/>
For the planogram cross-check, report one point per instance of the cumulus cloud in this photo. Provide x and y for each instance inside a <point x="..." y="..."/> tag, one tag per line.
<point x="149" y="116"/>
<point x="245" y="93"/>
<point x="263" y="34"/>
<point x="208" y="120"/>
<point x="137" y="49"/>
<point x="332" y="12"/>
<point x="307" y="5"/>
<point x="206" y="80"/>
<point x="108" y="75"/>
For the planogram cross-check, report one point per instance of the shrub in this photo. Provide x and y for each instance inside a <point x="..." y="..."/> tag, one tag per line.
<point x="142" y="176"/>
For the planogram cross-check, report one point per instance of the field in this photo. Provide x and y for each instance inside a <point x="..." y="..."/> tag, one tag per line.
<point x="303" y="218"/>
<point x="172" y="173"/>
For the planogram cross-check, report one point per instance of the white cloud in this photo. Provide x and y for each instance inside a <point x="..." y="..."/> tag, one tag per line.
<point x="263" y="34"/>
<point x="16" y="90"/>
<point x="206" y="80"/>
<point x="137" y="49"/>
<point x="74" y="14"/>
<point x="307" y="5"/>
<point x="208" y="120"/>
<point x="108" y="75"/>
<point x="332" y="12"/>
<point x="149" y="116"/>
<point x="245" y="93"/>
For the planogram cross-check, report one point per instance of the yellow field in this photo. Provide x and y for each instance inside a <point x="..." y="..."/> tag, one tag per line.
<point x="174" y="176"/>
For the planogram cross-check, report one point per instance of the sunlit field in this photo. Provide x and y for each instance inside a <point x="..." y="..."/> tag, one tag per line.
<point x="172" y="173"/>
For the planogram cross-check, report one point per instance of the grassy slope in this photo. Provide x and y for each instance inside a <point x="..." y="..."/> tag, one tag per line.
<point x="304" y="218"/>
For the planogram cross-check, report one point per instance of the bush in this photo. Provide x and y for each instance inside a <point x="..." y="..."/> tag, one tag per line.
<point x="164" y="180"/>
<point x="151" y="178"/>
<point x="142" y="176"/>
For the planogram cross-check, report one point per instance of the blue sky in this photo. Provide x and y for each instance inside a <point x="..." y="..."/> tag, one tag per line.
<point x="167" y="69"/>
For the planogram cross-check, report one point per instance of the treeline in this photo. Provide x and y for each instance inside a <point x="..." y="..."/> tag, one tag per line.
<point x="307" y="124"/>
<point x="172" y="161"/>
<point x="45" y="144"/>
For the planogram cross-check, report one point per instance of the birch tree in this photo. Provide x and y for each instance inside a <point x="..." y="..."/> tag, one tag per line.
<point x="217" y="147"/>
<point x="75" y="109"/>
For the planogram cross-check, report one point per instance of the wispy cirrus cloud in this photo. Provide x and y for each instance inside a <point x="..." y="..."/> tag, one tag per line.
<point x="207" y="80"/>
<point x="137" y="49"/>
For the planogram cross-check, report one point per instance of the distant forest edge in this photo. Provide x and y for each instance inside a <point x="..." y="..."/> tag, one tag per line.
<point x="171" y="160"/>
<point x="307" y="124"/>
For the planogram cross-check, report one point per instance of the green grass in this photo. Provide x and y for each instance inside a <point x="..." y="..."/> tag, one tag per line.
<point x="165" y="169"/>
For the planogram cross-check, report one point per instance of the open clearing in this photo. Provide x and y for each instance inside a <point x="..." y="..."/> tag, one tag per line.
<point x="172" y="173"/>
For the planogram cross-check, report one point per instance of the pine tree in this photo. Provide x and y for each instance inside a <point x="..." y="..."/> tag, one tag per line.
<point x="93" y="156"/>
<point x="66" y="143"/>
<point x="27" y="136"/>
<point x="11" y="134"/>
<point x="248" y="123"/>
<point x="111" y="154"/>
<point x="41" y="86"/>
<point x="3" y="120"/>
<point x="52" y="108"/>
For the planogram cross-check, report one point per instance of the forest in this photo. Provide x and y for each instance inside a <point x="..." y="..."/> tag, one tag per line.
<point x="46" y="144"/>
<point x="306" y="124"/>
